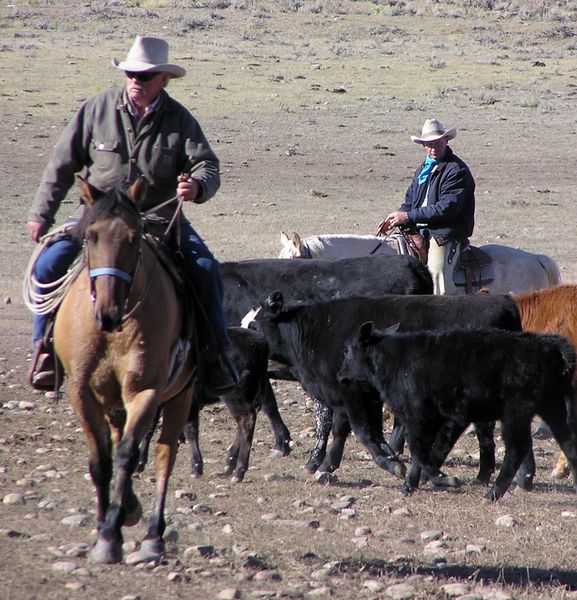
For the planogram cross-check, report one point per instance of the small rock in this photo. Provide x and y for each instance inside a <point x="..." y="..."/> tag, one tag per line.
<point x="506" y="521"/>
<point x="13" y="498"/>
<point x="474" y="548"/>
<point x="227" y="529"/>
<point x="431" y="535"/>
<point x="184" y="495"/>
<point x="74" y="586"/>
<point x="361" y="531"/>
<point x="320" y="591"/>
<point x="374" y="586"/>
<point x="401" y="591"/>
<point x="228" y="594"/>
<point x="75" y="520"/>
<point x="267" y="575"/>
<point x="455" y="589"/>
<point x="269" y="517"/>
<point x="402" y="512"/>
<point x="64" y="566"/>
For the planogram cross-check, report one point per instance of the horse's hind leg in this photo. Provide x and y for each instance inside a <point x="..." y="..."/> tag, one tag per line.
<point x="174" y="415"/>
<point x="145" y="444"/>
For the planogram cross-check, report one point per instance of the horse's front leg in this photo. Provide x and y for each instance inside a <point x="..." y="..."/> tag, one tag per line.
<point x="174" y="416"/>
<point x="141" y="410"/>
<point x="91" y="417"/>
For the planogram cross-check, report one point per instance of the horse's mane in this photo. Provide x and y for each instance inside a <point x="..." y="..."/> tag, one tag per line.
<point x="109" y="204"/>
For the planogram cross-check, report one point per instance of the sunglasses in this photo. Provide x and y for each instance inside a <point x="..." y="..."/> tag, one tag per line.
<point x="141" y="76"/>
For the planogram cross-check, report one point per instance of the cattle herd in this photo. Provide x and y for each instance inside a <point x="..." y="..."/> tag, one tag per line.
<point x="366" y="334"/>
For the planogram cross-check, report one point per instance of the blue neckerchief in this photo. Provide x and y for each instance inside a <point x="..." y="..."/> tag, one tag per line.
<point x="427" y="168"/>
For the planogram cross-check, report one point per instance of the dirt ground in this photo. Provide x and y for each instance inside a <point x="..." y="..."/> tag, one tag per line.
<point x="309" y="106"/>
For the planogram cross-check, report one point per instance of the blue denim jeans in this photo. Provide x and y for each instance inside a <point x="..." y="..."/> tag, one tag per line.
<point x="199" y="264"/>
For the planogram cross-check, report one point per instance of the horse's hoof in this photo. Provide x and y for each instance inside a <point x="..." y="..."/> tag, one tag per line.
<point x="106" y="552"/>
<point x="325" y="477"/>
<point x="150" y="551"/>
<point x="133" y="517"/>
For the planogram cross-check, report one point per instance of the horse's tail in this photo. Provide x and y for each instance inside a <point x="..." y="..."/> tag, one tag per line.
<point x="551" y="268"/>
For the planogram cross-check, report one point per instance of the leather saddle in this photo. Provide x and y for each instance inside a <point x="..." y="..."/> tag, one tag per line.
<point x="473" y="270"/>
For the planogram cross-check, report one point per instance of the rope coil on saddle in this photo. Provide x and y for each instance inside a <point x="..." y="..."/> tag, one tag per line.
<point x="44" y="298"/>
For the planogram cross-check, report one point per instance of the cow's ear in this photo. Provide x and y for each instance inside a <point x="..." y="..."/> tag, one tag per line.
<point x="365" y="333"/>
<point x="275" y="302"/>
<point x="392" y="329"/>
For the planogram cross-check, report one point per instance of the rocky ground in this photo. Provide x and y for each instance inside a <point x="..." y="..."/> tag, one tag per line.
<point x="310" y="106"/>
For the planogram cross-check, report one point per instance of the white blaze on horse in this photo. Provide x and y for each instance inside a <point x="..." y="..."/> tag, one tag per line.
<point x="510" y="269"/>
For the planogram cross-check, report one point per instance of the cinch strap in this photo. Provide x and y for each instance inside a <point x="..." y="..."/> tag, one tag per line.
<point x="110" y="271"/>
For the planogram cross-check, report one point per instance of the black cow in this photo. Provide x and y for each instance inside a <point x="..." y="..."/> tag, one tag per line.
<point x="247" y="282"/>
<point x="253" y="392"/>
<point x="310" y="338"/>
<point x="440" y="382"/>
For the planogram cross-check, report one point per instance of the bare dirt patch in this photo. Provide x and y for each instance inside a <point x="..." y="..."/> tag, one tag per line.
<point x="309" y="107"/>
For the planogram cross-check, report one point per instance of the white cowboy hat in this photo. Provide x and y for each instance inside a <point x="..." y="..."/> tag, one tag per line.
<point x="434" y="130"/>
<point x="149" y="54"/>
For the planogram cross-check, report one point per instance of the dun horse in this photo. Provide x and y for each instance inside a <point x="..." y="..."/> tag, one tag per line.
<point x="118" y="336"/>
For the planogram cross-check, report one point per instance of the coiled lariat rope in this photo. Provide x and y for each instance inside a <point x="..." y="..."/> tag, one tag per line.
<point x="44" y="298"/>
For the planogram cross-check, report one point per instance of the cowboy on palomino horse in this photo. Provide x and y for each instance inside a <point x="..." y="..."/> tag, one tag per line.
<point x="439" y="205"/>
<point x="115" y="137"/>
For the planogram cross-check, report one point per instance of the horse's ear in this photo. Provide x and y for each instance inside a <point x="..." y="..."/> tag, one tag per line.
<point x="284" y="238"/>
<point x="87" y="192"/>
<point x="137" y="191"/>
<point x="296" y="239"/>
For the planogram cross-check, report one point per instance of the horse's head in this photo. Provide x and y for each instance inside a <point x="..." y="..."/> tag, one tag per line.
<point x="291" y="247"/>
<point x="111" y="229"/>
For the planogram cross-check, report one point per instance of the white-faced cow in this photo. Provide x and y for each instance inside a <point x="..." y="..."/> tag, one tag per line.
<point x="440" y="382"/>
<point x="310" y="339"/>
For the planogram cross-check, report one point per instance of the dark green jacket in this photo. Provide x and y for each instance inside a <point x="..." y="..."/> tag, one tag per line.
<point x="102" y="144"/>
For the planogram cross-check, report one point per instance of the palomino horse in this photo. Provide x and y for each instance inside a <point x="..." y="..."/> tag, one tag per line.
<point x="118" y="335"/>
<point x="514" y="270"/>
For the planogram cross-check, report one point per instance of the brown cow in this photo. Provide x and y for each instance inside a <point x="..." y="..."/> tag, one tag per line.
<point x="551" y="310"/>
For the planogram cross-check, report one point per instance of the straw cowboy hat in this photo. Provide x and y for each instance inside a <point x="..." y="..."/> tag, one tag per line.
<point x="434" y="130"/>
<point x="149" y="54"/>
